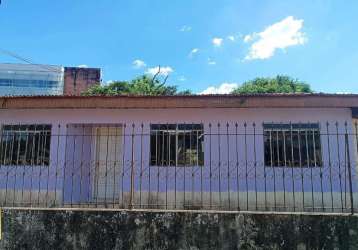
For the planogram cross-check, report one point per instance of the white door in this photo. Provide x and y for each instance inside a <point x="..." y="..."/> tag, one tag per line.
<point x="108" y="163"/>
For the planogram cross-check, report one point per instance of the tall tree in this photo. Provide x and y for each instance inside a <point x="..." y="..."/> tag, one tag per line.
<point x="278" y="84"/>
<point x="143" y="85"/>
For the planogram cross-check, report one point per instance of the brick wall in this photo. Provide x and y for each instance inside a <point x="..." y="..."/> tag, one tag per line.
<point x="77" y="80"/>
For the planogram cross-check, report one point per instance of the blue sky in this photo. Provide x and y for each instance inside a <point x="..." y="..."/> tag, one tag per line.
<point x="200" y="44"/>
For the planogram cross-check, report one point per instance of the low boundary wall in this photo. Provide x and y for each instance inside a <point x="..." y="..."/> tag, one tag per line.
<point x="121" y="229"/>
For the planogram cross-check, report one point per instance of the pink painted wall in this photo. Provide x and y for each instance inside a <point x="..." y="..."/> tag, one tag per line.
<point x="79" y="188"/>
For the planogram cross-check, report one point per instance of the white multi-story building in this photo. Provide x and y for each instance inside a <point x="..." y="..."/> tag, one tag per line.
<point x="29" y="79"/>
<point x="37" y="79"/>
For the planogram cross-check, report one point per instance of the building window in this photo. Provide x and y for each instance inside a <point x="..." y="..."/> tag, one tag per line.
<point x="22" y="83"/>
<point x="292" y="145"/>
<point x="176" y="145"/>
<point x="25" y="145"/>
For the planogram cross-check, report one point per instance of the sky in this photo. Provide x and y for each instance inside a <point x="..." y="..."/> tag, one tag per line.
<point x="207" y="46"/>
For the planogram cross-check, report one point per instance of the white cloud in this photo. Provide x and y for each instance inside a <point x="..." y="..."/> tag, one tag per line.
<point x="217" y="41"/>
<point x="163" y="71"/>
<point x="231" y="38"/>
<point x="279" y="35"/>
<point x="211" y="61"/>
<point x="193" y="52"/>
<point x="344" y="93"/>
<point x="185" y="28"/>
<point x="249" y="38"/>
<point x="137" y="64"/>
<point x="82" y="66"/>
<point x="224" y="88"/>
<point x="182" y="79"/>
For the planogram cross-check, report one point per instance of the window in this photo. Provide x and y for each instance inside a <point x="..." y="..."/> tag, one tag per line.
<point x="28" y="83"/>
<point x="176" y="145"/>
<point x="296" y="145"/>
<point x="25" y="145"/>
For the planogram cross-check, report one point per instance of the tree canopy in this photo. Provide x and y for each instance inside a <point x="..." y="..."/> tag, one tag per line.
<point x="143" y="85"/>
<point x="278" y="84"/>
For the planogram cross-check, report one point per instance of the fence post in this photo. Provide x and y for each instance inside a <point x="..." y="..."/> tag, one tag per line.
<point x="132" y="171"/>
<point x="349" y="173"/>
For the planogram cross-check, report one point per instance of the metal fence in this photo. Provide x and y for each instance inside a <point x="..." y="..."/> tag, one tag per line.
<point x="230" y="166"/>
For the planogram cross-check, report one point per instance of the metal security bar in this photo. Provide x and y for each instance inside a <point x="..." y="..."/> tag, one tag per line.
<point x="230" y="166"/>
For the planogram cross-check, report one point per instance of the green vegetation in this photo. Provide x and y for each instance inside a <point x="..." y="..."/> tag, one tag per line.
<point x="143" y="85"/>
<point x="279" y="84"/>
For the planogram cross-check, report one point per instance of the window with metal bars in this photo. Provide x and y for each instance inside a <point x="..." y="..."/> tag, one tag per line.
<point x="292" y="145"/>
<point x="25" y="145"/>
<point x="176" y="145"/>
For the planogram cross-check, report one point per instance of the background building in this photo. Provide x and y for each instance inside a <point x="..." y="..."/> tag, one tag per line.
<point x="77" y="80"/>
<point x="36" y="79"/>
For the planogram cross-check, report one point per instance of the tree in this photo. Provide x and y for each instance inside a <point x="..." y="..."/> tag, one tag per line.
<point x="278" y="84"/>
<point x="143" y="85"/>
<point x="114" y="88"/>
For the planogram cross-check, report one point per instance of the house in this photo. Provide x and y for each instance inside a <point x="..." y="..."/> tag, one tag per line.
<point x="41" y="79"/>
<point x="277" y="152"/>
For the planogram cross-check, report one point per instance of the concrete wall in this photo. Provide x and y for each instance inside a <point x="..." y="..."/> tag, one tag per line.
<point x="71" y="163"/>
<point x="149" y="230"/>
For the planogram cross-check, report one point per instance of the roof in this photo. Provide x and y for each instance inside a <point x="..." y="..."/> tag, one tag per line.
<point x="317" y="100"/>
<point x="37" y="68"/>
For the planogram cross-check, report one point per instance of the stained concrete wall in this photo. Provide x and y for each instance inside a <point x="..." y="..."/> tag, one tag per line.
<point x="26" y="229"/>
